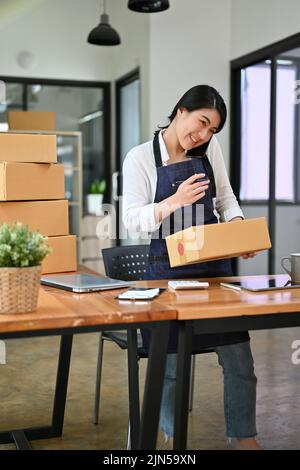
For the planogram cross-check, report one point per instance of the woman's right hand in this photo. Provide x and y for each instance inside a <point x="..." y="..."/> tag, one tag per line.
<point x="190" y="191"/>
<point x="187" y="193"/>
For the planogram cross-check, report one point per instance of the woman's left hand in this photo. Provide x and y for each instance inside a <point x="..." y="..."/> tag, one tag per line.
<point x="245" y="255"/>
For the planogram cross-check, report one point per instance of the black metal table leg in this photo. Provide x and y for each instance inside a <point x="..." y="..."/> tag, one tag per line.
<point x="20" y="440"/>
<point x="61" y="384"/>
<point x="154" y="386"/>
<point x="182" y="385"/>
<point x="133" y="388"/>
<point x="21" y="437"/>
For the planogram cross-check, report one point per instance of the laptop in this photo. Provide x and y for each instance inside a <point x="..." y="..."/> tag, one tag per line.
<point x="81" y="283"/>
<point x="258" y="285"/>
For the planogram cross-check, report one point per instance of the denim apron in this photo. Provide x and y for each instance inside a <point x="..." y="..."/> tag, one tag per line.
<point x="158" y="267"/>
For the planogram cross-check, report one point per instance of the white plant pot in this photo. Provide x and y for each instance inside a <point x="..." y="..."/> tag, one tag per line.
<point x="94" y="204"/>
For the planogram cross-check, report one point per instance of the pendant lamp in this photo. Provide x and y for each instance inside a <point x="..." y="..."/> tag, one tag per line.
<point x="104" y="34"/>
<point x="148" y="6"/>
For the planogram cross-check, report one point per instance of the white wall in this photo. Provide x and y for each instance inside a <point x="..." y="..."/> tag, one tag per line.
<point x="133" y="52"/>
<point x="194" y="41"/>
<point x="258" y="23"/>
<point x="134" y="31"/>
<point x="10" y="9"/>
<point x="189" y="45"/>
<point x="55" y="33"/>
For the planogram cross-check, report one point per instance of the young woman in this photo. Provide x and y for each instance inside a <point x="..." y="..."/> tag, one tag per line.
<point x="161" y="180"/>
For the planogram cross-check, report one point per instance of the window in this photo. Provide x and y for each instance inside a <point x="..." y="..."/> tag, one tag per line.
<point x="265" y="145"/>
<point x="255" y="135"/>
<point x="78" y="106"/>
<point x="285" y="131"/>
<point x="255" y="104"/>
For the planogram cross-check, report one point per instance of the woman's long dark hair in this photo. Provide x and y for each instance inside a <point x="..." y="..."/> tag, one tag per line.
<point x="199" y="97"/>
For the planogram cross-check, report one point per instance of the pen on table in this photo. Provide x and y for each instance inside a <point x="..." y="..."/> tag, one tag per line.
<point x="230" y="286"/>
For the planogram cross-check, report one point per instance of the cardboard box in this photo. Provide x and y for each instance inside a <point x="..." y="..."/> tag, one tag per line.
<point x="48" y="217"/>
<point x="63" y="257"/>
<point x="217" y="241"/>
<point x="30" y="181"/>
<point x="31" y="120"/>
<point x="28" y="148"/>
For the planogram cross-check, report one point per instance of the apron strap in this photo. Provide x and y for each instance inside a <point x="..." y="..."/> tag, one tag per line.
<point x="210" y="174"/>
<point x="156" y="150"/>
<point x="204" y="158"/>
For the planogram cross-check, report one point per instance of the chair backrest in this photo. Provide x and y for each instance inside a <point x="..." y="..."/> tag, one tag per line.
<point x="127" y="263"/>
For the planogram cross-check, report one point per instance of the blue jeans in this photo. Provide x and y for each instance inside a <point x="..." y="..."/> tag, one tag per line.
<point x="239" y="391"/>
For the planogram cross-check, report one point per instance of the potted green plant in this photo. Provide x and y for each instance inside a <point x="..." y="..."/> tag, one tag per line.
<point x="21" y="254"/>
<point x="95" y="197"/>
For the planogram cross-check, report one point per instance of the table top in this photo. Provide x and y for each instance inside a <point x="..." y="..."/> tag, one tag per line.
<point x="62" y="309"/>
<point x="221" y="302"/>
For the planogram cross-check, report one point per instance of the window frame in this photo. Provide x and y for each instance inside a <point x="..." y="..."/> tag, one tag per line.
<point x="104" y="86"/>
<point x="271" y="52"/>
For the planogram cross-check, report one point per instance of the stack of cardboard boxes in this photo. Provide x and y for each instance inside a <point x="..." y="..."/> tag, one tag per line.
<point x="32" y="192"/>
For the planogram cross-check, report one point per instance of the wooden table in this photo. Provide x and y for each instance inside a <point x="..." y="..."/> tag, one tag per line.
<point x="65" y="313"/>
<point x="214" y="310"/>
<point x="221" y="310"/>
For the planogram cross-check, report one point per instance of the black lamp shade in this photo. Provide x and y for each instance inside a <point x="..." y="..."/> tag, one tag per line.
<point x="148" y="6"/>
<point x="104" y="34"/>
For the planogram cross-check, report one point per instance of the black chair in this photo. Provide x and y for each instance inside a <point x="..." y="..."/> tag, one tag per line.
<point x="127" y="263"/>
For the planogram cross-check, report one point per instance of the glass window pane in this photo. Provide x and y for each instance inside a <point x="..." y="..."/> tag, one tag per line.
<point x="255" y="138"/>
<point x="285" y="131"/>
<point x="72" y="105"/>
<point x="76" y="109"/>
<point x="130" y="116"/>
<point x="258" y="264"/>
<point x="129" y="138"/>
<point x="14" y="102"/>
<point x="287" y="233"/>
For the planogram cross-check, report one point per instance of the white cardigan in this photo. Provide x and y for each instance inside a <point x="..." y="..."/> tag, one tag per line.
<point x="139" y="185"/>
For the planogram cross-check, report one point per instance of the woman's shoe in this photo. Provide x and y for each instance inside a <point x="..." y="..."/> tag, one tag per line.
<point x="169" y="441"/>
<point x="245" y="444"/>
